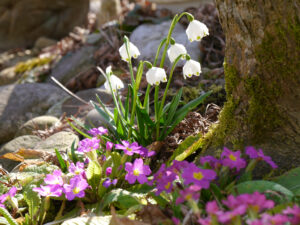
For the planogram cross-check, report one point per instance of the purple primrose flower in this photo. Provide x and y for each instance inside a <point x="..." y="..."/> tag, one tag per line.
<point x="11" y="193"/>
<point x="200" y="177"/>
<point x="109" y="145"/>
<point x="75" y="188"/>
<point x="212" y="161"/>
<point x="55" y="178"/>
<point x="109" y="182"/>
<point x="192" y="192"/>
<point x="87" y="145"/>
<point x="77" y="169"/>
<point x="129" y="149"/>
<point x="108" y="171"/>
<point x="293" y="213"/>
<point x="49" y="190"/>
<point x="232" y="159"/>
<point x="98" y="131"/>
<point x="137" y="171"/>
<point x="253" y="154"/>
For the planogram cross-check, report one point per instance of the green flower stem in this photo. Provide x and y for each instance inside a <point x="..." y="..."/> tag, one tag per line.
<point x="135" y="90"/>
<point x="146" y="99"/>
<point x="174" y="21"/>
<point x="188" y="15"/>
<point x="46" y="207"/>
<point x="156" y="108"/>
<point x="251" y="165"/>
<point x="165" y="93"/>
<point x="126" y="41"/>
<point x="158" y="50"/>
<point x="61" y="210"/>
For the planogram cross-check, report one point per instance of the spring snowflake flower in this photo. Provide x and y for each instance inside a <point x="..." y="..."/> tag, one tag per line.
<point x="253" y="154"/>
<point x="129" y="149"/>
<point x="200" y="177"/>
<point x="196" y="30"/>
<point x="49" y="190"/>
<point x="137" y="171"/>
<point x="54" y="179"/>
<point x="115" y="82"/>
<point x="190" y="68"/>
<point x="87" y="145"/>
<point x="175" y="50"/>
<point x="232" y="159"/>
<point x="156" y="75"/>
<point x="75" y="188"/>
<point x="133" y="51"/>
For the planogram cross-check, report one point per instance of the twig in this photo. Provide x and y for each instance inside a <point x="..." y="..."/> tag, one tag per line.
<point x="68" y="91"/>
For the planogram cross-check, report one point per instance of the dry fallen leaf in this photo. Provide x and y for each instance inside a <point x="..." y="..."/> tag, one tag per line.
<point x="12" y="156"/>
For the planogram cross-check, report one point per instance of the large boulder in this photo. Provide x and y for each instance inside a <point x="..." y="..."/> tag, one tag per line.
<point x="147" y="38"/>
<point x="22" y="22"/>
<point x="21" y="102"/>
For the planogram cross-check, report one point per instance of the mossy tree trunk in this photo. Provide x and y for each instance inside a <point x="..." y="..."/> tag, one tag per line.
<point x="262" y="76"/>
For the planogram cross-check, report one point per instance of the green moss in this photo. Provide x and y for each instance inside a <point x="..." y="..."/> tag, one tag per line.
<point x="32" y="63"/>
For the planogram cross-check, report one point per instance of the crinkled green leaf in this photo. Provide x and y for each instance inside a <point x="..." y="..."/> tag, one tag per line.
<point x="276" y="191"/>
<point x="93" y="174"/>
<point x="290" y="180"/>
<point x="33" y="201"/>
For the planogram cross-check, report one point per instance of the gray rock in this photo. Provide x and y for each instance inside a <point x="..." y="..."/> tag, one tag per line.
<point x="147" y="38"/>
<point x="26" y="141"/>
<point x="94" y="119"/>
<point x="74" y="107"/>
<point x="93" y="38"/>
<point x="72" y="64"/>
<point x="178" y="6"/>
<point x="22" y="102"/>
<point x="62" y="141"/>
<point x="38" y="123"/>
<point x="49" y="18"/>
<point x="43" y="42"/>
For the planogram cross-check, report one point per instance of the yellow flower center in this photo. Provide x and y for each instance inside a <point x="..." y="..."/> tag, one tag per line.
<point x="129" y="149"/>
<point x="232" y="157"/>
<point x="198" y="38"/>
<point x="167" y="186"/>
<point x="136" y="172"/>
<point x="198" y="176"/>
<point x="188" y="197"/>
<point x="157" y="83"/>
<point x="76" y="190"/>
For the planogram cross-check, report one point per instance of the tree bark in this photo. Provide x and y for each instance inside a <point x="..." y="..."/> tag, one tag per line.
<point x="262" y="77"/>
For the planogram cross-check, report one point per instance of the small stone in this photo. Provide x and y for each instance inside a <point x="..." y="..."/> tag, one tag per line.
<point x="95" y="119"/>
<point x="8" y="76"/>
<point x="26" y="141"/>
<point x="62" y="141"/>
<point x="38" y="123"/>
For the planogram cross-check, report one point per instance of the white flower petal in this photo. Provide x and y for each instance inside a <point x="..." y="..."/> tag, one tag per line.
<point x="175" y="50"/>
<point x="108" y="70"/>
<point x="156" y="75"/>
<point x="196" y="30"/>
<point x="116" y="83"/>
<point x="190" y="68"/>
<point x="133" y="51"/>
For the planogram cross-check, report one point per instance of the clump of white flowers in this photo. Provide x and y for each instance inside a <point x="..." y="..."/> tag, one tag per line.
<point x="133" y="51"/>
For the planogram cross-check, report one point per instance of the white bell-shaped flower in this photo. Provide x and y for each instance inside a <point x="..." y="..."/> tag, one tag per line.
<point x="196" y="31"/>
<point x="115" y="82"/>
<point x="190" y="68"/>
<point x="108" y="70"/>
<point x="156" y="75"/>
<point x="175" y="50"/>
<point x="133" y="51"/>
